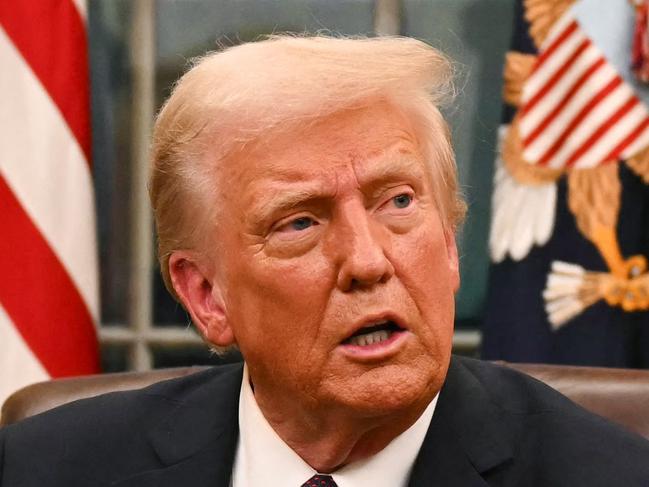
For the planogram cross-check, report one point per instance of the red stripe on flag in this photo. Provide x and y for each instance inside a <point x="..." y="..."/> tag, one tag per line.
<point x="574" y="123"/>
<point x="614" y="155"/>
<point x="564" y="101"/>
<point x="555" y="77"/>
<point x="567" y="32"/>
<point x="602" y="129"/>
<point x="51" y="36"/>
<point x="40" y="297"/>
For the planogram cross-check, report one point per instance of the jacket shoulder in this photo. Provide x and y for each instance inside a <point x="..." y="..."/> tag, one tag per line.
<point x="108" y="434"/>
<point x="556" y="441"/>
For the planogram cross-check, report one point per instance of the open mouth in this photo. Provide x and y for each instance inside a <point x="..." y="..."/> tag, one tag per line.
<point x="374" y="334"/>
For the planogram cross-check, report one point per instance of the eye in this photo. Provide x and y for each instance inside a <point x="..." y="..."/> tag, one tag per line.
<point x="301" y="223"/>
<point x="402" y="200"/>
<point x="297" y="224"/>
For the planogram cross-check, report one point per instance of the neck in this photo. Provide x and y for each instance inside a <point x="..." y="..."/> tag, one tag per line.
<point x="336" y="437"/>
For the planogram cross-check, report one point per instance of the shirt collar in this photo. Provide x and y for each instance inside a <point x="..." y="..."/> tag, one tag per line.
<point x="263" y="457"/>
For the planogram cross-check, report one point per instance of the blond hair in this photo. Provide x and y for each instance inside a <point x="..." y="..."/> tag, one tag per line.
<point x="230" y="98"/>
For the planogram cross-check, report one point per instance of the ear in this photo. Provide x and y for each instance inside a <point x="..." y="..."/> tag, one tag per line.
<point x="201" y="296"/>
<point x="453" y="259"/>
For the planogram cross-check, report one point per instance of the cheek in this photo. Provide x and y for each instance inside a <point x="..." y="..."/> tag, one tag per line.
<point x="280" y="299"/>
<point x="425" y="270"/>
<point x="423" y="256"/>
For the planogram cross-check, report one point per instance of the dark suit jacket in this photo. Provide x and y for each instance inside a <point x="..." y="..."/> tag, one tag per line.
<point x="492" y="426"/>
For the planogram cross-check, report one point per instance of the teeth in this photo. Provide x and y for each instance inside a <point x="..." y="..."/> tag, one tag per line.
<point x="370" y="338"/>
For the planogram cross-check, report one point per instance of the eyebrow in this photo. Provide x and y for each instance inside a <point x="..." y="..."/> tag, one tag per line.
<point x="391" y="167"/>
<point x="282" y="196"/>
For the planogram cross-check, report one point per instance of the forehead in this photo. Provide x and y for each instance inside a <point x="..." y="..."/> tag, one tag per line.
<point x="371" y="141"/>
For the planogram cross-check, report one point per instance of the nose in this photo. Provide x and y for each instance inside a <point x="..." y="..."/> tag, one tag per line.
<point x="361" y="245"/>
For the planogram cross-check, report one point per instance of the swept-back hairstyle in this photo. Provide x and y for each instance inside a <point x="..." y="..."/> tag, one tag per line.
<point x="230" y="98"/>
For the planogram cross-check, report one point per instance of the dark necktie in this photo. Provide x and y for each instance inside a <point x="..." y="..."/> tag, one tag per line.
<point x="320" y="481"/>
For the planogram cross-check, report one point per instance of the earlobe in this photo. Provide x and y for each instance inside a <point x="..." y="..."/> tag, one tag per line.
<point x="201" y="297"/>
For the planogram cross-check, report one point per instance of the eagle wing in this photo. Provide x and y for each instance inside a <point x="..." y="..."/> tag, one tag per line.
<point x="639" y="164"/>
<point x="594" y="198"/>
<point x="523" y="202"/>
<point x="542" y="14"/>
<point x="518" y="67"/>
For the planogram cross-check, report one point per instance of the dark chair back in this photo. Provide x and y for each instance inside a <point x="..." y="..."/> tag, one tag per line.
<point x="621" y="395"/>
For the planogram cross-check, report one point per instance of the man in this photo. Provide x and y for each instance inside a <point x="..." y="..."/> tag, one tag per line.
<point x="306" y="204"/>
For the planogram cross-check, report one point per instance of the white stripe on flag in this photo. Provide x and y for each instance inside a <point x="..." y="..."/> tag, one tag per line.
<point x="601" y="148"/>
<point x="535" y="116"/>
<point x="18" y="365"/>
<point x="602" y="112"/>
<point x="549" y="68"/>
<point x="554" y="130"/>
<point x="637" y="145"/>
<point x="33" y="166"/>
<point x="82" y="8"/>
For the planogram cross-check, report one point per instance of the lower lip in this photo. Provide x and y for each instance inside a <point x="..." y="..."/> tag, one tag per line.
<point x="376" y="351"/>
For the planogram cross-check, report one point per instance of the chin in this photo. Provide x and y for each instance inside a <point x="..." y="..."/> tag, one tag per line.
<point x="389" y="390"/>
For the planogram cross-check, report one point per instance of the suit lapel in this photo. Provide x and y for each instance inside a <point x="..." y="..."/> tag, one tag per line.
<point x="468" y="435"/>
<point x="195" y="441"/>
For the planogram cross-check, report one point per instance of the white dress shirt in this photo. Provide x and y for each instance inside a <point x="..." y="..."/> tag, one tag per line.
<point x="262" y="457"/>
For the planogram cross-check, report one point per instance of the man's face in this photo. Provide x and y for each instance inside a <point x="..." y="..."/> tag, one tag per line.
<point x="337" y="275"/>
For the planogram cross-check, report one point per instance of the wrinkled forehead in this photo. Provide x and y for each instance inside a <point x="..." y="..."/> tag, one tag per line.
<point x="378" y="134"/>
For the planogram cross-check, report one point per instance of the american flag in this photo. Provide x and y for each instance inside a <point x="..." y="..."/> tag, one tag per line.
<point x="576" y="110"/>
<point x="48" y="285"/>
